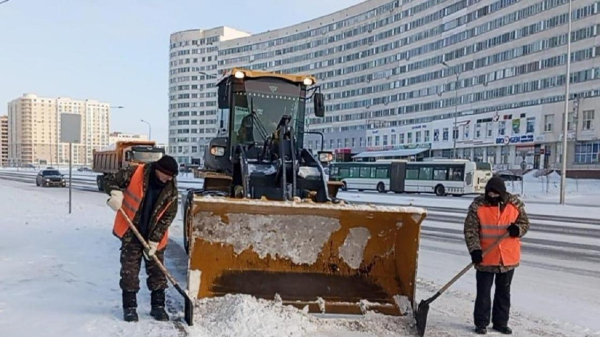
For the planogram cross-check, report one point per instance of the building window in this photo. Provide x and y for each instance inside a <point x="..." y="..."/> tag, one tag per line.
<point x="376" y="140"/>
<point x="369" y="140"/>
<point x="477" y="130"/>
<point x="393" y="140"/>
<point x="331" y="143"/>
<point x="360" y="141"/>
<point x="346" y="142"/>
<point x="531" y="125"/>
<point x="427" y="138"/>
<point x="587" y="153"/>
<point x="409" y="138"/>
<point x="588" y="120"/>
<point x="385" y="140"/>
<point x="489" y="130"/>
<point x="548" y="121"/>
<point x="445" y="134"/>
<point x="401" y="140"/>
<point x="418" y="137"/>
<point x="339" y="143"/>
<point x="436" y="135"/>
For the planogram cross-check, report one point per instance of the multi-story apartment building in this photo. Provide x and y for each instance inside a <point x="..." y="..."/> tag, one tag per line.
<point x="486" y="78"/>
<point x="3" y="141"/>
<point x="34" y="130"/>
<point x="192" y="91"/>
<point x="114" y="137"/>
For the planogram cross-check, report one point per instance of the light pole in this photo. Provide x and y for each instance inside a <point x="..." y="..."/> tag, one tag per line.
<point x="149" y="129"/>
<point x="454" y="128"/>
<point x="563" y="176"/>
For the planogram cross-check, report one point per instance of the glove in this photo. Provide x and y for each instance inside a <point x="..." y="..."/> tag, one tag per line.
<point x="477" y="256"/>
<point x="116" y="200"/>
<point x="148" y="254"/>
<point x="514" y="231"/>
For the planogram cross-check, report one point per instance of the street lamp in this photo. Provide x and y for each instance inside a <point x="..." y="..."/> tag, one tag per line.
<point x="454" y="129"/>
<point x="563" y="176"/>
<point x="149" y="129"/>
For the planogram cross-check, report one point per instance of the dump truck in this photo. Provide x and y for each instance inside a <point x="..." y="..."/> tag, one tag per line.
<point x="123" y="154"/>
<point x="267" y="223"/>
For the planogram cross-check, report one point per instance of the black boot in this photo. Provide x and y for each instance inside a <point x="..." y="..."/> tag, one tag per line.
<point x="503" y="330"/>
<point x="129" y="305"/>
<point x="157" y="300"/>
<point x="480" y="330"/>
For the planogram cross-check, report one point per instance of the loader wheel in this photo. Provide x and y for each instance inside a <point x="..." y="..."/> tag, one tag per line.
<point x="381" y="188"/>
<point x="440" y="190"/>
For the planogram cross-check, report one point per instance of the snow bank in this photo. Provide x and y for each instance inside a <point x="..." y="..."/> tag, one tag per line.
<point x="244" y="316"/>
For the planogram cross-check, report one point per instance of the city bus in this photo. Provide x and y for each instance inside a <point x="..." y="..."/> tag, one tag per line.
<point x="439" y="176"/>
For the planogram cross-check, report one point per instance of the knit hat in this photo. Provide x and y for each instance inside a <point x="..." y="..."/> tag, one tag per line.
<point x="167" y="165"/>
<point x="496" y="184"/>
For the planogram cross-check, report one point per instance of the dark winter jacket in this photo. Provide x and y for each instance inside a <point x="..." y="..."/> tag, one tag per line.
<point x="156" y="230"/>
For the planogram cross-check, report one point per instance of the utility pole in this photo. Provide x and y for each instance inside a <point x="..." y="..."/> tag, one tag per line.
<point x="563" y="176"/>
<point x="454" y="127"/>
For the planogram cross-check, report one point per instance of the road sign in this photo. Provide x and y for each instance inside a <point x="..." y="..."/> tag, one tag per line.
<point x="70" y="132"/>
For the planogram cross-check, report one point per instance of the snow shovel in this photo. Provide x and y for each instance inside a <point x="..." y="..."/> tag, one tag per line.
<point x="189" y="305"/>
<point x="423" y="308"/>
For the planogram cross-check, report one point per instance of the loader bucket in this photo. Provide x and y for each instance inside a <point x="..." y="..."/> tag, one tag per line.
<point x="333" y="258"/>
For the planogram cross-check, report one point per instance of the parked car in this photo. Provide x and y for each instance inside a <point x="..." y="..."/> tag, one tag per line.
<point x="84" y="169"/>
<point x="47" y="178"/>
<point x="509" y="176"/>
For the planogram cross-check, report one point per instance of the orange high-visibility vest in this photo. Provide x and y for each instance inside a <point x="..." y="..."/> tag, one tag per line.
<point x="494" y="224"/>
<point x="132" y="197"/>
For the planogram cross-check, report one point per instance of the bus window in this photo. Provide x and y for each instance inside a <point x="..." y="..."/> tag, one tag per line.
<point x="426" y="173"/>
<point x="382" y="172"/>
<point x="440" y="173"/>
<point x="365" y="172"/>
<point x="344" y="172"/>
<point x="412" y="174"/>
<point x="354" y="172"/>
<point x="373" y="172"/>
<point x="456" y="173"/>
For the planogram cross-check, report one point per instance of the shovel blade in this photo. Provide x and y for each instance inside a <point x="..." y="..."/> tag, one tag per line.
<point x="421" y="317"/>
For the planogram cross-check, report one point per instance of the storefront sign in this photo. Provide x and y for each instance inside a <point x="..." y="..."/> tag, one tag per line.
<point x="515" y="139"/>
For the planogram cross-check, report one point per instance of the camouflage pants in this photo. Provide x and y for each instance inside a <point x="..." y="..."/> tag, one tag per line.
<point x="131" y="259"/>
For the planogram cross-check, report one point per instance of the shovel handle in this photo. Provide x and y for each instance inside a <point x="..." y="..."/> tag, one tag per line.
<point x="467" y="268"/>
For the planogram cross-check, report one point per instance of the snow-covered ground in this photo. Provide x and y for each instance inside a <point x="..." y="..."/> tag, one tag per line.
<point x="59" y="277"/>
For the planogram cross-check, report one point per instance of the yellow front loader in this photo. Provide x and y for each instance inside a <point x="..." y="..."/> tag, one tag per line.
<point x="268" y="224"/>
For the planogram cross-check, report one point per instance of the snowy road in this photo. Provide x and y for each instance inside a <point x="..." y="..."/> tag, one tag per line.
<point x="59" y="277"/>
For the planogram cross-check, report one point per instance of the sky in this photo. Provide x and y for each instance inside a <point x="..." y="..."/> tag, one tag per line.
<point x="117" y="51"/>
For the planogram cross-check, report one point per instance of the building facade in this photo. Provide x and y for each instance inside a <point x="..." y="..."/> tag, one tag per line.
<point x="114" y="137"/>
<point x="400" y="74"/>
<point x="192" y="90"/>
<point x="3" y="141"/>
<point x="34" y="130"/>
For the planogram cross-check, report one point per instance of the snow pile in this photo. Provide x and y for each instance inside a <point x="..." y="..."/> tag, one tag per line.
<point x="243" y="315"/>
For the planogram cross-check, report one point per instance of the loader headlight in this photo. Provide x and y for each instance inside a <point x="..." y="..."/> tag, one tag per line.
<point x="217" y="151"/>
<point x="308" y="81"/>
<point x="325" y="157"/>
<point x="239" y="74"/>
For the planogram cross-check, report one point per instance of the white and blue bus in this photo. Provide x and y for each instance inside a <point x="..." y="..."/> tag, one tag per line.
<point x="439" y="176"/>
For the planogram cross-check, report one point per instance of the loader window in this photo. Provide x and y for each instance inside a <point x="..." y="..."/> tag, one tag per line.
<point x="259" y="105"/>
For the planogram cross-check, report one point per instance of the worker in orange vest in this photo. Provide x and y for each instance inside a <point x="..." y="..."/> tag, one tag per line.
<point x="490" y="216"/>
<point x="148" y="196"/>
